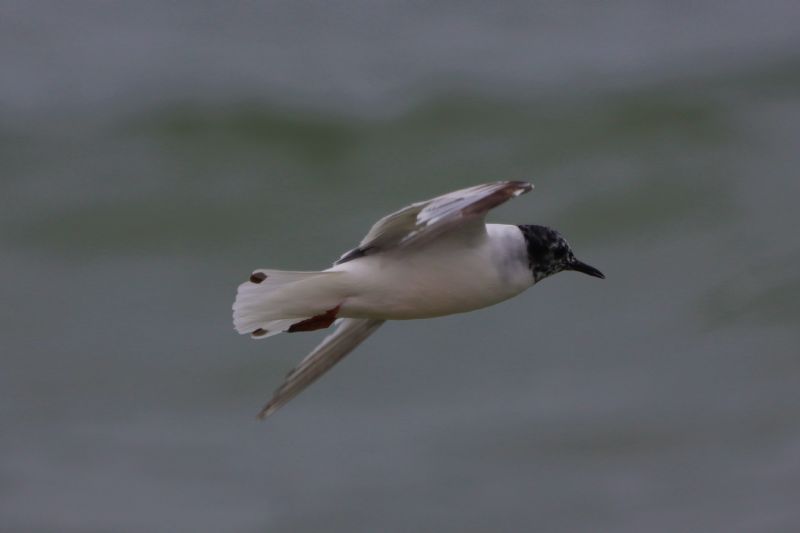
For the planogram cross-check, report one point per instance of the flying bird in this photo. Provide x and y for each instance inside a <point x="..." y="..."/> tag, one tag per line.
<point x="433" y="258"/>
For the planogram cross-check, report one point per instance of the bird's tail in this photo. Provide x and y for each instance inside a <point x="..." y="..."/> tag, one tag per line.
<point x="274" y="301"/>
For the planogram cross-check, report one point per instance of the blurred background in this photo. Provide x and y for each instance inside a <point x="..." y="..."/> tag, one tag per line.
<point x="154" y="153"/>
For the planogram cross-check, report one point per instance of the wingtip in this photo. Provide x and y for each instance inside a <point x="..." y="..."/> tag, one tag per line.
<point x="522" y="187"/>
<point x="266" y="411"/>
<point x="518" y="187"/>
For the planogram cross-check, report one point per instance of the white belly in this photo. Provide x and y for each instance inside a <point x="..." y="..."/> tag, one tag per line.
<point x="448" y="276"/>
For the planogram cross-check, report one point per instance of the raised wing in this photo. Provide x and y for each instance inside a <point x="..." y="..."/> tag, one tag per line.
<point x="349" y="333"/>
<point x="428" y="219"/>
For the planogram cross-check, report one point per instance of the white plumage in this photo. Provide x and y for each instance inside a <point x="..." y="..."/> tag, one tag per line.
<point x="431" y="258"/>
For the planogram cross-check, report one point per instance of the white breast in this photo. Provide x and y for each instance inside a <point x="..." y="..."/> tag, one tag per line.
<point x="452" y="274"/>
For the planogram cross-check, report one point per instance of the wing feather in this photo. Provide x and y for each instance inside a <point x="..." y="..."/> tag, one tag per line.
<point x="422" y="221"/>
<point x="350" y="332"/>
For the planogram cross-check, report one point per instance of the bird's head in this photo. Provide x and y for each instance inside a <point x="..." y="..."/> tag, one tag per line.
<point x="549" y="253"/>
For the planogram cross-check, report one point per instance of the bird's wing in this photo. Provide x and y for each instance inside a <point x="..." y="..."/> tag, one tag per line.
<point x="350" y="332"/>
<point x="425" y="220"/>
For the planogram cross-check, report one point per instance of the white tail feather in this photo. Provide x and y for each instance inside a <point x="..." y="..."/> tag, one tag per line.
<point x="272" y="300"/>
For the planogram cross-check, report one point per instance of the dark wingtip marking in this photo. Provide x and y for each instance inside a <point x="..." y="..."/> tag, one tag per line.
<point x="508" y="190"/>
<point x="260" y="332"/>
<point x="258" y="277"/>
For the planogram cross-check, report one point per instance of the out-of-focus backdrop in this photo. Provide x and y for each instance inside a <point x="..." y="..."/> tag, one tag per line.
<point x="153" y="153"/>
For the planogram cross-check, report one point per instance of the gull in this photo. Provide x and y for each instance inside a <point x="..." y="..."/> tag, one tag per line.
<point x="433" y="258"/>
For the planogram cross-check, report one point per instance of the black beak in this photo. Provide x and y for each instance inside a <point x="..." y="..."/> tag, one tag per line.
<point x="578" y="266"/>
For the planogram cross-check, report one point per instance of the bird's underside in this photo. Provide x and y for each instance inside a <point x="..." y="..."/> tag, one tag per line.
<point x="272" y="301"/>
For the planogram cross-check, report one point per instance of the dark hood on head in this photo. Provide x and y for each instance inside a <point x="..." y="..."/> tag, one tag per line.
<point x="550" y="253"/>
